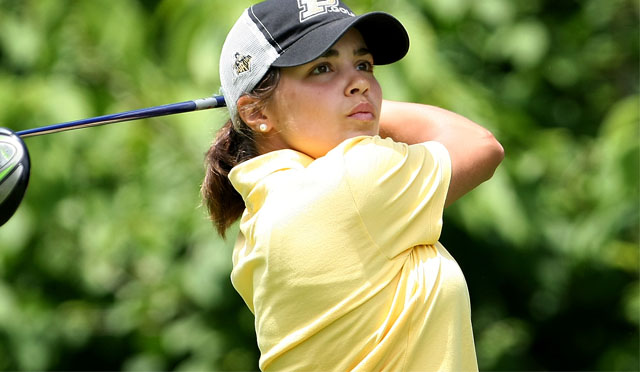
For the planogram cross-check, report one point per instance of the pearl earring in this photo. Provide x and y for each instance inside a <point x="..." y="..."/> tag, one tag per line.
<point x="263" y="127"/>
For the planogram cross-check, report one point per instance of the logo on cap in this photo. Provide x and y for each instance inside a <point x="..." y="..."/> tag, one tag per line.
<point x="242" y="64"/>
<point x="312" y="8"/>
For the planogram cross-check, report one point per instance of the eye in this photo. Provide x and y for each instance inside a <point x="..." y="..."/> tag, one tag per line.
<point x="365" y="66"/>
<point x="321" y="69"/>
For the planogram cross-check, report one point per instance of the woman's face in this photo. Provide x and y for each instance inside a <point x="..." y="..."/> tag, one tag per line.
<point x="320" y="104"/>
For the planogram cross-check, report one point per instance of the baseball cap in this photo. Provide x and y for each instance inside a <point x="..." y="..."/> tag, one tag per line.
<point x="287" y="33"/>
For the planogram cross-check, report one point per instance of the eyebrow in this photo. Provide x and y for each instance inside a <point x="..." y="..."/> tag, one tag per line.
<point x="334" y="53"/>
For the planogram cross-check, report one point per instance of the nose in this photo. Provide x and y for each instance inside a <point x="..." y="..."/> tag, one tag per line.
<point x="358" y="84"/>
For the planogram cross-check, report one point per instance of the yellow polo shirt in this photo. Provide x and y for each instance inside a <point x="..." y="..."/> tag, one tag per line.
<point x="339" y="260"/>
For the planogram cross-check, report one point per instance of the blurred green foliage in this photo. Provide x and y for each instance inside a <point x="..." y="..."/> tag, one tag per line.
<point x="110" y="263"/>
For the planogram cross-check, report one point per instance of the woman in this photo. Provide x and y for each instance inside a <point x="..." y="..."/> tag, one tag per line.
<point x="340" y="195"/>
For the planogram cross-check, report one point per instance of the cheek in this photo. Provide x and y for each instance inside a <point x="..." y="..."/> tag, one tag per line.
<point x="279" y="108"/>
<point x="376" y="92"/>
<point x="294" y="107"/>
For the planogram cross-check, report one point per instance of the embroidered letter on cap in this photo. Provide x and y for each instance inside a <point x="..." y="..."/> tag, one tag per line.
<point x="312" y="8"/>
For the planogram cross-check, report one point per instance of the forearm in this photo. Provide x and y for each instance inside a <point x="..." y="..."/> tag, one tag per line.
<point x="474" y="151"/>
<point x="415" y="123"/>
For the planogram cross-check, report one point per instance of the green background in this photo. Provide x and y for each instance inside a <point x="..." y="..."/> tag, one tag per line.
<point x="110" y="262"/>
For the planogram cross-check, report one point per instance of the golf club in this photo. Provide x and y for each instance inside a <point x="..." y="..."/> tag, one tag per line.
<point x="14" y="155"/>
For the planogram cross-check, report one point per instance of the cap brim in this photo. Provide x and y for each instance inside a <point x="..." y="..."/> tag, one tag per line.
<point x="386" y="39"/>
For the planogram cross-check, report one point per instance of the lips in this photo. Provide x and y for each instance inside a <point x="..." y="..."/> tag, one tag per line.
<point x="362" y="111"/>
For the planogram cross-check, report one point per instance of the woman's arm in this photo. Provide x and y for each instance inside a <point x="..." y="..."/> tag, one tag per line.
<point x="475" y="152"/>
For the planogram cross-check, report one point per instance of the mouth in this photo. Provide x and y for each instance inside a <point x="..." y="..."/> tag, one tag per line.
<point x="363" y="111"/>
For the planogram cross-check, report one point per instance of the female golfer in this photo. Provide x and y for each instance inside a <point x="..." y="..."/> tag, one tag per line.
<point x="340" y="195"/>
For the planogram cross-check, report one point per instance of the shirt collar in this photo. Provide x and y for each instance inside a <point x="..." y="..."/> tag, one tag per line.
<point x="246" y="175"/>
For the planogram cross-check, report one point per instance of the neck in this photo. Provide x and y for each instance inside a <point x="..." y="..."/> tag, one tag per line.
<point x="267" y="142"/>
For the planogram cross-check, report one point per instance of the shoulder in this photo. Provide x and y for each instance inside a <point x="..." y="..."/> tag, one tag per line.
<point x="374" y="145"/>
<point x="408" y="183"/>
<point x="365" y="154"/>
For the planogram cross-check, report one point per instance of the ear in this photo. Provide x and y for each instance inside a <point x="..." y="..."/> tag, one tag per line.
<point x="250" y="114"/>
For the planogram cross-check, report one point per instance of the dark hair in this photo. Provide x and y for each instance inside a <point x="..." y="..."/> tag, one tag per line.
<point x="232" y="146"/>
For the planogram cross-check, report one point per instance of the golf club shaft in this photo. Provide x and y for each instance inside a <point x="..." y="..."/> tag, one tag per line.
<point x="170" y="109"/>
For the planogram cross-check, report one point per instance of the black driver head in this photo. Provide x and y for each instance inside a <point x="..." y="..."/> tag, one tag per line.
<point x="14" y="173"/>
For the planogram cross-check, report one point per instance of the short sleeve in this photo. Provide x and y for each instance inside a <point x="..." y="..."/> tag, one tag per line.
<point x="399" y="190"/>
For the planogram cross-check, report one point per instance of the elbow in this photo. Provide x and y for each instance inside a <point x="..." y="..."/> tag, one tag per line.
<point x="496" y="150"/>
<point x="473" y="165"/>
<point x="494" y="154"/>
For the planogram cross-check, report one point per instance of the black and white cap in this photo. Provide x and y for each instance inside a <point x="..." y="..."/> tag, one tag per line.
<point x="286" y="33"/>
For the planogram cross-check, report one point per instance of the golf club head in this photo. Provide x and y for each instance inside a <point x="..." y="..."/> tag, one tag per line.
<point x="14" y="173"/>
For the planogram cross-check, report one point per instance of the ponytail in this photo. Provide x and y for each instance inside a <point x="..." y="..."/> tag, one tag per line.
<point x="232" y="146"/>
<point x="229" y="149"/>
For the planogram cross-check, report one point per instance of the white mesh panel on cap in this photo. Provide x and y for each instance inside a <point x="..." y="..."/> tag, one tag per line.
<point x="245" y="58"/>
